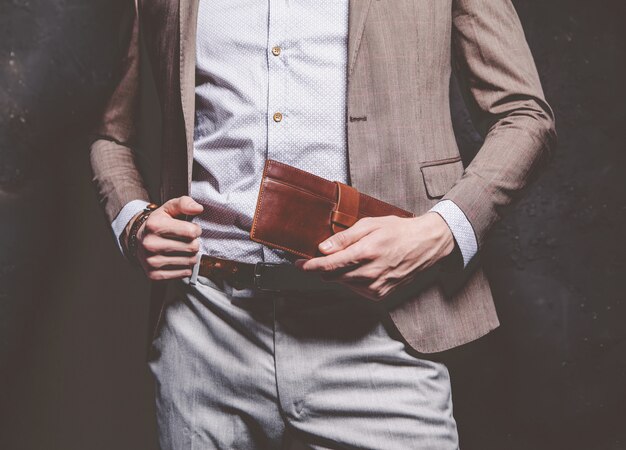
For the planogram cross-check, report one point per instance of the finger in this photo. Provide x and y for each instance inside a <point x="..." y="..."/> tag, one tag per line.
<point x="168" y="274"/>
<point x="351" y="256"/>
<point x="345" y="238"/>
<point x="180" y="206"/>
<point x="162" y="261"/>
<point x="165" y="226"/>
<point x="299" y="262"/>
<point x="155" y="244"/>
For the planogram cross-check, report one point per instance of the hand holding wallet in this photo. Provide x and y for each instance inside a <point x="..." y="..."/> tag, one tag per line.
<point x="296" y="210"/>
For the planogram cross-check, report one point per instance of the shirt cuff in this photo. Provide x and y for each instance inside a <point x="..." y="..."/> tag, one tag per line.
<point x="121" y="220"/>
<point x="460" y="227"/>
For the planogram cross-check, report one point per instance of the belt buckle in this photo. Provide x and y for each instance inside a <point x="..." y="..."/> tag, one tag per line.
<point x="258" y="277"/>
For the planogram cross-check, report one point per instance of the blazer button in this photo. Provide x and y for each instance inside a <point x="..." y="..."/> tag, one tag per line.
<point x="278" y="117"/>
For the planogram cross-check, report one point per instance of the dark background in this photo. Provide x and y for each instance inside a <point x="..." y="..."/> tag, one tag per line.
<point x="73" y="314"/>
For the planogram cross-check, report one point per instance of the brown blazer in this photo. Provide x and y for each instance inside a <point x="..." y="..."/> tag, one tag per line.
<point x="402" y="149"/>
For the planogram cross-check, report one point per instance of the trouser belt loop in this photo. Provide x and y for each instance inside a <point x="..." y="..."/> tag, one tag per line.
<point x="194" y="273"/>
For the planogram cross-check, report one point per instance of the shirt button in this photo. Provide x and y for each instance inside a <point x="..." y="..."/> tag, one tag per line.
<point x="278" y="117"/>
<point x="276" y="50"/>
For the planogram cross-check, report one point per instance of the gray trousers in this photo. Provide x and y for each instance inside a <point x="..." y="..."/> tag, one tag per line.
<point x="242" y="370"/>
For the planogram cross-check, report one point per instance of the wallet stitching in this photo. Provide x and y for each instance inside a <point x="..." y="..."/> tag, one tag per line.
<point x="263" y="241"/>
<point x="396" y="208"/>
<point x="259" y="206"/>
<point x="304" y="191"/>
<point x="306" y="174"/>
<point x="259" y="203"/>
<point x="376" y="200"/>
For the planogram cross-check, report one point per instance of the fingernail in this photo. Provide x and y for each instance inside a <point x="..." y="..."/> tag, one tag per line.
<point x="326" y="245"/>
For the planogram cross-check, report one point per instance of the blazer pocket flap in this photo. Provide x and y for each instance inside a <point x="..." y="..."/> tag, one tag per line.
<point x="440" y="176"/>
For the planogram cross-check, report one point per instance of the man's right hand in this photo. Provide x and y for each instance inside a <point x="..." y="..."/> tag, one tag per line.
<point x="167" y="246"/>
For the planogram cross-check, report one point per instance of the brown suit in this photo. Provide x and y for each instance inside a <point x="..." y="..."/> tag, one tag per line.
<point x="400" y="54"/>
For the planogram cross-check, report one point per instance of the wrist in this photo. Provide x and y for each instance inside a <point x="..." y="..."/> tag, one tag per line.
<point x="443" y="233"/>
<point x="129" y="237"/>
<point x="123" y="237"/>
<point x="450" y="257"/>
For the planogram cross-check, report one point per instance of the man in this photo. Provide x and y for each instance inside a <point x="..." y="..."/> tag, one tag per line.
<point x="333" y="352"/>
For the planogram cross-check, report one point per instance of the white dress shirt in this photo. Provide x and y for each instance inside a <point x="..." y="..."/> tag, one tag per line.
<point x="270" y="84"/>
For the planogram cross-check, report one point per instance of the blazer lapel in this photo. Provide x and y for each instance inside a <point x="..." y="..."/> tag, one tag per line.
<point x="358" y="10"/>
<point x="188" y="15"/>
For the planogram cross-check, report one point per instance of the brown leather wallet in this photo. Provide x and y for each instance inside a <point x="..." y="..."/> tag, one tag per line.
<point x="297" y="210"/>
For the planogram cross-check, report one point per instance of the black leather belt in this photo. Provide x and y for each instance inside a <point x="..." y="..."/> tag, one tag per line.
<point x="267" y="277"/>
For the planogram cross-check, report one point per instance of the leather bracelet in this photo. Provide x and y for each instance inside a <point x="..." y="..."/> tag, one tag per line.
<point x="134" y="229"/>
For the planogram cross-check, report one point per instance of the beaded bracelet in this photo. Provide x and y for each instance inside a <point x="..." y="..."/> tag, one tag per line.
<point x="134" y="229"/>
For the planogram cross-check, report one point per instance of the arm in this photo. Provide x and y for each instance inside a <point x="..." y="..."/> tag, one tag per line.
<point x="461" y="228"/>
<point x="167" y="247"/>
<point x="123" y="221"/>
<point x="508" y="105"/>
<point x="115" y="173"/>
<point x="508" y="102"/>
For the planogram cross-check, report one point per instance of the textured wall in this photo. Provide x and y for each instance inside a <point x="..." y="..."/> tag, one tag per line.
<point x="73" y="316"/>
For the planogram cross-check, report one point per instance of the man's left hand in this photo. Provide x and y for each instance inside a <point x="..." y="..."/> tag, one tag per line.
<point x="378" y="254"/>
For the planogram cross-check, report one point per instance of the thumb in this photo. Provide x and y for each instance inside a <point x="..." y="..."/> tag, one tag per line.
<point x="346" y="238"/>
<point x="184" y="205"/>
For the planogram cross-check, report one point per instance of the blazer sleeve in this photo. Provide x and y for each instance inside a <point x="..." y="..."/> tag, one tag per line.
<point x="112" y="156"/>
<point x="505" y="96"/>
